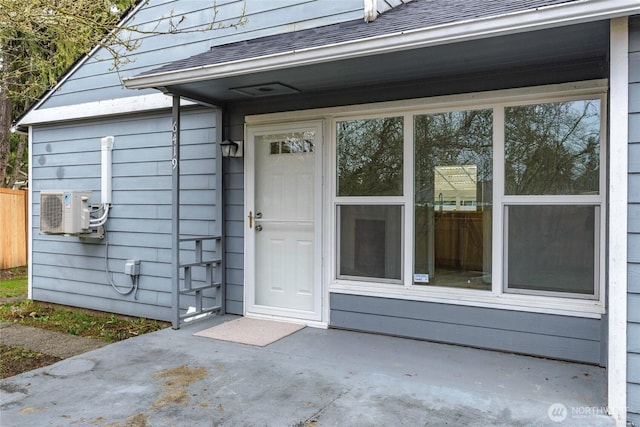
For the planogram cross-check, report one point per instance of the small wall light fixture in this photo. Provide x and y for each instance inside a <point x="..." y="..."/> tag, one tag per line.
<point x="231" y="148"/>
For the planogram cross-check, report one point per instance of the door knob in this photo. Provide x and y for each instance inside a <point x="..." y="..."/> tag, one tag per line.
<point x="258" y="228"/>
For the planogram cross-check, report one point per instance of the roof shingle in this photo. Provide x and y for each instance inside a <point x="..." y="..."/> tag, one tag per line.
<point x="414" y="15"/>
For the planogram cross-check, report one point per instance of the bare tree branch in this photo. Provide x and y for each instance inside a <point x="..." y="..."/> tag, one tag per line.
<point x="40" y="39"/>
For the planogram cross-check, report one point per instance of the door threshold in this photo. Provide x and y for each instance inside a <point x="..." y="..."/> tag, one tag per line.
<point x="310" y="323"/>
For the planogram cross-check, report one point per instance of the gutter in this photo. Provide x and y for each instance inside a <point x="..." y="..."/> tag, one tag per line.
<point x="548" y="17"/>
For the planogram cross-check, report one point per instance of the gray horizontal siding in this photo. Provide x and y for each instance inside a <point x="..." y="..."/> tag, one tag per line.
<point x="633" y="401"/>
<point x="633" y="337"/>
<point x="154" y="311"/>
<point x="234" y="234"/>
<point x="633" y="271"/>
<point x="560" y="337"/>
<point x="633" y="367"/>
<point x="96" y="81"/>
<point x="67" y="157"/>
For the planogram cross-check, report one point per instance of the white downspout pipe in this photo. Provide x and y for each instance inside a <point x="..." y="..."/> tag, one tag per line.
<point x="105" y="190"/>
<point x="105" y="184"/>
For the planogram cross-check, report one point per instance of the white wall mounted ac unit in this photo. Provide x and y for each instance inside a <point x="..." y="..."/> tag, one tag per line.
<point x="64" y="212"/>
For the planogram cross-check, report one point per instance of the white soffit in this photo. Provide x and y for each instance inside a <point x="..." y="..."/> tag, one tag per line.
<point x="530" y="20"/>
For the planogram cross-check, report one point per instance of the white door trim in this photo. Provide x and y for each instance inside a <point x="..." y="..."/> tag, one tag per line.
<point x="250" y="309"/>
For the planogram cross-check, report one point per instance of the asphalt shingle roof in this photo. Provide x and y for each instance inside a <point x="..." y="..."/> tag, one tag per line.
<point x="411" y="16"/>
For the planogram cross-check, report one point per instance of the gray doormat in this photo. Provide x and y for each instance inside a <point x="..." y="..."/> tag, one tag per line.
<point x="256" y="332"/>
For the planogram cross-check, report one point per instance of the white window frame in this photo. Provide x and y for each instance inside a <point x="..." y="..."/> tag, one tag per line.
<point x="499" y="296"/>
<point x="598" y="257"/>
<point x="360" y="279"/>
<point x="338" y="201"/>
<point x="598" y="200"/>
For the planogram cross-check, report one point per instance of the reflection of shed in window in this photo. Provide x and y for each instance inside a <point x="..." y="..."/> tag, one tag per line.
<point x="456" y="187"/>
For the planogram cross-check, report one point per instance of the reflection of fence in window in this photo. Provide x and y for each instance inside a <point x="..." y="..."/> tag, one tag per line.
<point x="459" y="241"/>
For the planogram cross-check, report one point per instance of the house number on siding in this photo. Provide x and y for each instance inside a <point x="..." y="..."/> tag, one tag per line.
<point x="174" y="142"/>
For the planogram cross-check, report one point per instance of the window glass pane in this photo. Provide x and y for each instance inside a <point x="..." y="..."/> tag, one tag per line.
<point x="370" y="241"/>
<point x="369" y="157"/>
<point x="292" y="144"/>
<point x="551" y="248"/>
<point x="553" y="148"/>
<point x="453" y="199"/>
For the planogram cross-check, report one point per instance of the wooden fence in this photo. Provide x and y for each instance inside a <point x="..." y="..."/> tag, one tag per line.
<point x="14" y="222"/>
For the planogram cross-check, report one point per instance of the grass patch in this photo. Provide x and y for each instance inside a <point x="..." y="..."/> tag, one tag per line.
<point x="17" y="359"/>
<point x="13" y="282"/>
<point x="13" y="288"/>
<point x="76" y="321"/>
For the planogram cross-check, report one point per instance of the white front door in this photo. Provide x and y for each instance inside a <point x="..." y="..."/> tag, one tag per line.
<point x="282" y="222"/>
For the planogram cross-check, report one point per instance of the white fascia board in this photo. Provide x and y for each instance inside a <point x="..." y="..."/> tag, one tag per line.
<point x="108" y="107"/>
<point x="530" y="20"/>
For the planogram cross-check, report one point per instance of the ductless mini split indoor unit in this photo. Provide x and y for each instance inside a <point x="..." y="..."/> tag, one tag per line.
<point x="65" y="212"/>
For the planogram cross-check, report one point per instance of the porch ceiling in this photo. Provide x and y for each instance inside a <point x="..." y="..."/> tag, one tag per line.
<point x="569" y="44"/>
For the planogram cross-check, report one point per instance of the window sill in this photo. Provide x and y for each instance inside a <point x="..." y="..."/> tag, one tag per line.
<point x="486" y="299"/>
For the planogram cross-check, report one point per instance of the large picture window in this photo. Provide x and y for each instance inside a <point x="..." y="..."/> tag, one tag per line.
<point x="500" y="202"/>
<point x="453" y="198"/>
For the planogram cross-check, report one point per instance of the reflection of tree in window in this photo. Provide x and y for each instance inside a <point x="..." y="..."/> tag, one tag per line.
<point x="552" y="148"/>
<point x="369" y="154"/>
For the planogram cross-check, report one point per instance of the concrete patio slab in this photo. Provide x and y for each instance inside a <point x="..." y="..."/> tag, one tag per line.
<point x="313" y="377"/>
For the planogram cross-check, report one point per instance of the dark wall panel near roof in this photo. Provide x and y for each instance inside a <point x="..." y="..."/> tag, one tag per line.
<point x="505" y="77"/>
